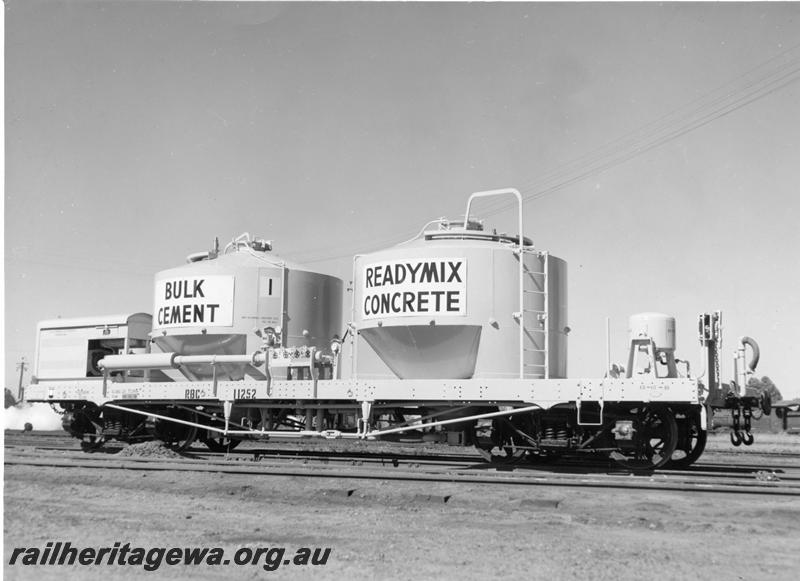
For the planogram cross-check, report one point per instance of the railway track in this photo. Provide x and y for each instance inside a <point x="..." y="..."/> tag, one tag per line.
<point x="380" y="451"/>
<point x="753" y="478"/>
<point x="60" y="438"/>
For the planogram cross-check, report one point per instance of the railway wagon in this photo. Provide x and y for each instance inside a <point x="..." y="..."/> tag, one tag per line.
<point x="472" y="324"/>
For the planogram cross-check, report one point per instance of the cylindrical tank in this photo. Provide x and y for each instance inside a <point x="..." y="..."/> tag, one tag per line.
<point x="660" y="360"/>
<point x="656" y="326"/>
<point x="217" y="302"/>
<point x="447" y="305"/>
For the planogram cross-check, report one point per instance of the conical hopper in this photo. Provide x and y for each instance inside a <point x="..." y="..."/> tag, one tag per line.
<point x="427" y="351"/>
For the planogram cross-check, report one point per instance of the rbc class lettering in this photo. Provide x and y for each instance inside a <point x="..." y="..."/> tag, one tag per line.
<point x="186" y="313"/>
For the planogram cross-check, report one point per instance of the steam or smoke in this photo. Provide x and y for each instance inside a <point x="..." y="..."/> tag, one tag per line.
<point x="40" y="415"/>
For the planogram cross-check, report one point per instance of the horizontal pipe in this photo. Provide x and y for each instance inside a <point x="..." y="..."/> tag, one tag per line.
<point x="173" y="360"/>
<point x="138" y="361"/>
<point x="291" y="434"/>
<point x="256" y="358"/>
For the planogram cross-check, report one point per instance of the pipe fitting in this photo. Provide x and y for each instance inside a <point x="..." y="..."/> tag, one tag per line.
<point x="756" y="351"/>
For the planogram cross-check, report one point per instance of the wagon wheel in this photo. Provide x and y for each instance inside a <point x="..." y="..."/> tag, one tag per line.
<point x="544" y="457"/>
<point x="88" y="430"/>
<point x="92" y="440"/>
<point x="511" y="452"/>
<point x="654" y="439"/>
<point x="508" y="453"/>
<point x="220" y="443"/>
<point x="502" y="447"/>
<point x="504" y="455"/>
<point x="690" y="445"/>
<point x="175" y="436"/>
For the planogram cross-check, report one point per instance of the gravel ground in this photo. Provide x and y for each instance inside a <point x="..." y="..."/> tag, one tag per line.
<point x="153" y="449"/>
<point x="390" y="530"/>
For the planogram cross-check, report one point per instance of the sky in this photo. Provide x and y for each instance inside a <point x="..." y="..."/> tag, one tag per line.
<point x="657" y="147"/>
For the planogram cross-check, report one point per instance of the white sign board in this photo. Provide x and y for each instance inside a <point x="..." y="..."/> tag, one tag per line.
<point x="195" y="301"/>
<point x="414" y="287"/>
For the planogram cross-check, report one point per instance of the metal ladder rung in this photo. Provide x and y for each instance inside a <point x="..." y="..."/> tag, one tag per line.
<point x="538" y="284"/>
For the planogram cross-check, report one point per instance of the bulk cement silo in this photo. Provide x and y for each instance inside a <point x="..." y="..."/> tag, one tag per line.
<point x="221" y="302"/>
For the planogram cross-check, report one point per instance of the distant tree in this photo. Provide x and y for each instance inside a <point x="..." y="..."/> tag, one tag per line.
<point x="765" y="385"/>
<point x="10" y="401"/>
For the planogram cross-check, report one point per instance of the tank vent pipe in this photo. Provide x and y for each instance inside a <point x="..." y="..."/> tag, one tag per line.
<point x="756" y="351"/>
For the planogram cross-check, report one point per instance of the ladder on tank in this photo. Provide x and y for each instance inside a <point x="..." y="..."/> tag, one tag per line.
<point x="538" y="327"/>
<point x="541" y="315"/>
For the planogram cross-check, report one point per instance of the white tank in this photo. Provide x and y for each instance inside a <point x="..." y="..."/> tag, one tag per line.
<point x="656" y="326"/>
<point x="217" y="302"/>
<point x="447" y="305"/>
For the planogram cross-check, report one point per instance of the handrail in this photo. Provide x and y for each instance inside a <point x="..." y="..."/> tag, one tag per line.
<point x="521" y="242"/>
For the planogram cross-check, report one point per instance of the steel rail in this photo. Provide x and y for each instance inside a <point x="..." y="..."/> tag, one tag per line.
<point x="558" y="471"/>
<point x="290" y="446"/>
<point x="282" y="456"/>
<point x="334" y="456"/>
<point x="627" y="481"/>
<point x="750" y="457"/>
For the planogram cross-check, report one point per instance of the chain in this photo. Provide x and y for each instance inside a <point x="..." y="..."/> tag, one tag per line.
<point x="747" y="413"/>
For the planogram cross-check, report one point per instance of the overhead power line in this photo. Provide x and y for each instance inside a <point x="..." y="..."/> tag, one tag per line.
<point x="753" y="85"/>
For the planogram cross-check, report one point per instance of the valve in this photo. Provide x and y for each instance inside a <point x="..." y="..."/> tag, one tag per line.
<point x="271" y="336"/>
